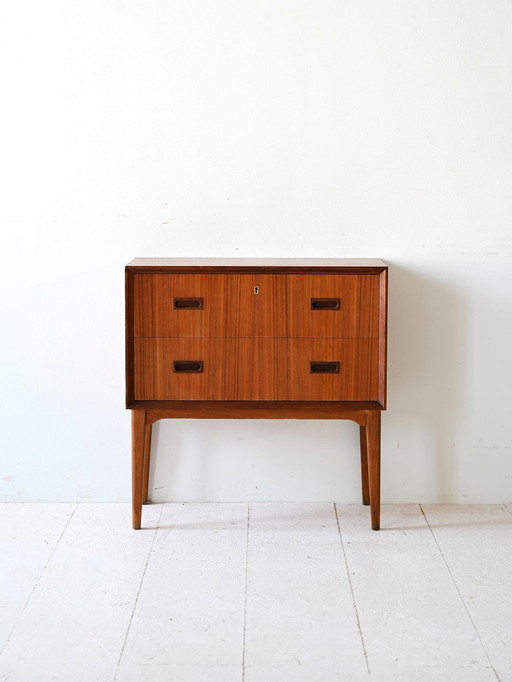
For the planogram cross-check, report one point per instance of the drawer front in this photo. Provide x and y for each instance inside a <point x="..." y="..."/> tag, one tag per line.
<point x="229" y="369"/>
<point x="304" y="306"/>
<point x="328" y="369"/>
<point x="294" y="306"/>
<point x="209" y="305"/>
<point x="332" y="306"/>
<point x="180" y="305"/>
<point x="184" y="369"/>
<point x="307" y="369"/>
<point x="256" y="369"/>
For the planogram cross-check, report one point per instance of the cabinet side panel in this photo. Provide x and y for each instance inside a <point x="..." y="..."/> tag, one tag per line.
<point x="383" y="336"/>
<point x="129" y="336"/>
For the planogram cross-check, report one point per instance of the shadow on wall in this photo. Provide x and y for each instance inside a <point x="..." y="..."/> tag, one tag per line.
<point x="426" y="387"/>
<point x="301" y="460"/>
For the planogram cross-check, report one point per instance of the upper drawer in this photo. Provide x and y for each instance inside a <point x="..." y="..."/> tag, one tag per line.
<point x="241" y="305"/>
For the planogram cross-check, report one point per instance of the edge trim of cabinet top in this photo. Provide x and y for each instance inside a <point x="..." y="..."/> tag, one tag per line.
<point x="285" y="265"/>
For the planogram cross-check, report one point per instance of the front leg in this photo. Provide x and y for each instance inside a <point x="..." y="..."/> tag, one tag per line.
<point x="139" y="418"/>
<point x="373" y="454"/>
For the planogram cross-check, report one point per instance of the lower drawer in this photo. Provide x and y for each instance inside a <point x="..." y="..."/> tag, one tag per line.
<point x="256" y="369"/>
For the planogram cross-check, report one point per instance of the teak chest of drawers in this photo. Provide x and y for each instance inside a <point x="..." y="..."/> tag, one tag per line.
<point x="262" y="339"/>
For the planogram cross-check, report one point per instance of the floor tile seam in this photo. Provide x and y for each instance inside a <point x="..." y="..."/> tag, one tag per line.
<point x="459" y="593"/>
<point x="245" y="591"/>
<point x="8" y="639"/>
<point x="215" y="665"/>
<point x="118" y="666"/>
<point x="443" y="666"/>
<point x="352" y="590"/>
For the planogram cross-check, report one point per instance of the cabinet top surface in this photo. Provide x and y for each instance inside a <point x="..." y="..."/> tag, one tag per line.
<point x="240" y="264"/>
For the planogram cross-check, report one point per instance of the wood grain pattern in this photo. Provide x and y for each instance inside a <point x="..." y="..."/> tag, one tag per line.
<point x="356" y="380"/>
<point x="357" y="317"/>
<point x="239" y="409"/>
<point x="138" y="433"/>
<point x="257" y="335"/>
<point x="373" y="455"/>
<point x="259" y="314"/>
<point x="383" y="336"/>
<point x="129" y="330"/>
<point x="155" y="315"/>
<point x="365" y="484"/>
<point x="256" y="369"/>
<point x="156" y="380"/>
<point x="146" y="463"/>
<point x="280" y="308"/>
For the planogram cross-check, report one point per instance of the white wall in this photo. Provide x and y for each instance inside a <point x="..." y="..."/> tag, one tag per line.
<point x="257" y="128"/>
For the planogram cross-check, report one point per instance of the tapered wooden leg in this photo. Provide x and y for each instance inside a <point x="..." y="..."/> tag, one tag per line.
<point x="373" y="455"/>
<point x="364" y="466"/>
<point x="138" y="433"/>
<point x="145" y="469"/>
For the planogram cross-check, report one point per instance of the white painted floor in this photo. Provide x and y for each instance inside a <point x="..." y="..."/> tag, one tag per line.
<point x="255" y="593"/>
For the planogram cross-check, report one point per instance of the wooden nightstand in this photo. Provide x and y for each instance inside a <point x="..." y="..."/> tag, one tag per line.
<point x="237" y="338"/>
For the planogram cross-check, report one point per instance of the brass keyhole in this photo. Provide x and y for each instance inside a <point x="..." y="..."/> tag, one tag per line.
<point x="256" y="290"/>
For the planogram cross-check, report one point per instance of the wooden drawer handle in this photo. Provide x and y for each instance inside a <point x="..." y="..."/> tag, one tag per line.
<point x="187" y="303"/>
<point x="324" y="367"/>
<point x="325" y="304"/>
<point x="187" y="366"/>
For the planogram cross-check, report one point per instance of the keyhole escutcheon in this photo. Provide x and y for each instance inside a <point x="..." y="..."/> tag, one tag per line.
<point x="256" y="290"/>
